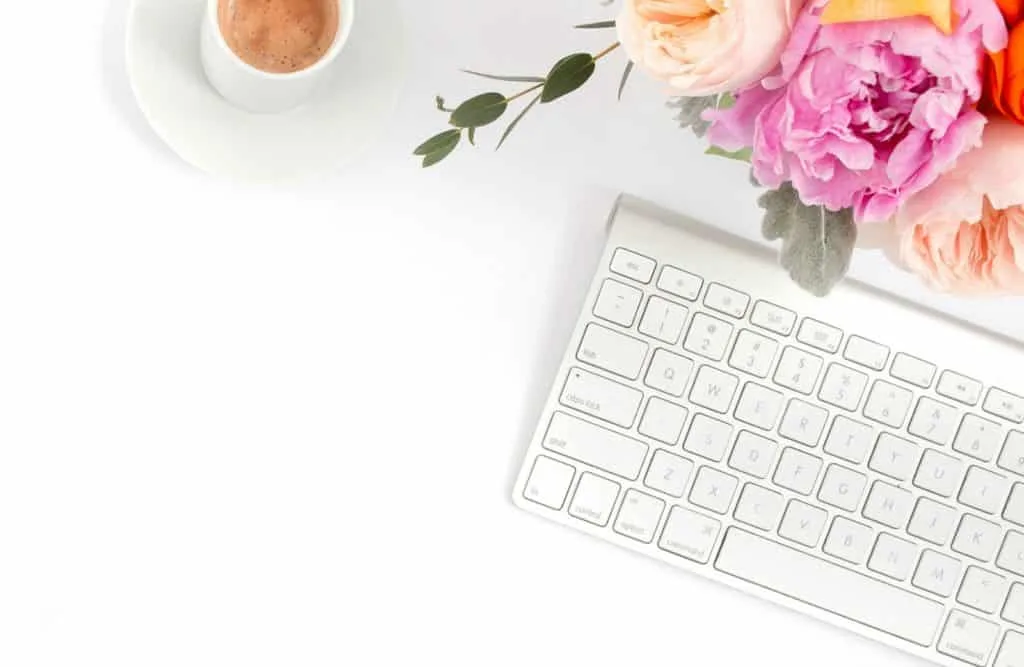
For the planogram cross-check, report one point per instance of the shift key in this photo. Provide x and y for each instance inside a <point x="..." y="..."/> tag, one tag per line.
<point x="600" y="397"/>
<point x="596" y="446"/>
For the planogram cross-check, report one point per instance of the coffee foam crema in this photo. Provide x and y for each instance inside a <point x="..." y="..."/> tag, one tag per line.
<point x="279" y="36"/>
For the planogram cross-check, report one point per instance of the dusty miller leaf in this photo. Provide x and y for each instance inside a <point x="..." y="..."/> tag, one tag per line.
<point x="690" y="115"/>
<point x="817" y="244"/>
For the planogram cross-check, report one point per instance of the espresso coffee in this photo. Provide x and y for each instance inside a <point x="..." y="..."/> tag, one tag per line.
<point x="279" y="36"/>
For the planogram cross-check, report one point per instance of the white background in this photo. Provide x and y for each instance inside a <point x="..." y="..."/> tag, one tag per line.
<point x="256" y="426"/>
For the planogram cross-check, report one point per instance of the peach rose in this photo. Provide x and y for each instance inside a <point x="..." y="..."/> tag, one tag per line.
<point x="965" y="233"/>
<point x="706" y="47"/>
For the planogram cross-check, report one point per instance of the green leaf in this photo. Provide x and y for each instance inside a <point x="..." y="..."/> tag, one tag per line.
<point x="625" y="78"/>
<point x="437" y="142"/>
<point x="480" y="110"/>
<point x="471" y="135"/>
<point x="439" y="101"/>
<point x="512" y="125"/>
<point x="512" y="79"/>
<point x="567" y="75"/>
<point x="725" y="101"/>
<point x="742" y="155"/>
<point x="595" y="26"/>
<point x="441" y="153"/>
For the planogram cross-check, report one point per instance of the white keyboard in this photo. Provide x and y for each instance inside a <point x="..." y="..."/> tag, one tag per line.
<point x="856" y="458"/>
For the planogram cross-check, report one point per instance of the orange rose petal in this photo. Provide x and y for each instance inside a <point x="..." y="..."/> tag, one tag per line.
<point x="852" y="11"/>
<point x="1012" y="94"/>
<point x="1013" y="10"/>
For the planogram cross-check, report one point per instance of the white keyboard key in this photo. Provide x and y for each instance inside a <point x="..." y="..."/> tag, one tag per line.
<point x="708" y="437"/>
<point x="668" y="473"/>
<point x="842" y="488"/>
<point x="612" y="351"/>
<point x="753" y="454"/>
<point x="960" y="388"/>
<point x="977" y="538"/>
<point x="690" y="535"/>
<point x="726" y="301"/>
<point x="1011" y="555"/>
<point x="713" y="490"/>
<point x="982" y="590"/>
<point x="939" y="473"/>
<point x="1013" y="610"/>
<point x="1004" y="404"/>
<point x="843" y="387"/>
<point x="888" y="505"/>
<point x="708" y="336"/>
<point x="1015" y="505"/>
<point x="549" y="482"/>
<point x="759" y="507"/>
<point x="797" y="471"/>
<point x="714" y="389"/>
<point x="663" y="420"/>
<point x="888" y="404"/>
<point x="663" y="320"/>
<point x="893" y="557"/>
<point x="913" y="370"/>
<point x="680" y="283"/>
<point x="820" y="335"/>
<point x="594" y="499"/>
<point x="600" y="397"/>
<point x="803" y="523"/>
<point x="798" y="370"/>
<point x="937" y="573"/>
<point x="633" y="265"/>
<point x="618" y="303"/>
<point x="932" y="521"/>
<point x="596" y="446"/>
<point x="849" y="440"/>
<point x="639" y="516"/>
<point x="968" y="638"/>
<point x="866" y="353"/>
<point x="669" y="373"/>
<point x="753" y="353"/>
<point x="934" y="421"/>
<point x="894" y="457"/>
<point x="1011" y="653"/>
<point x="978" y="438"/>
<point x="803" y="423"/>
<point x="848" y="540"/>
<point x="759" y="406"/>
<point x="983" y="490"/>
<point x="829" y="586"/>
<point x="773" y="318"/>
<point x="1012" y="456"/>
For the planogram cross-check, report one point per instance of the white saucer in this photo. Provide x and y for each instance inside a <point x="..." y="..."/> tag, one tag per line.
<point x="331" y="129"/>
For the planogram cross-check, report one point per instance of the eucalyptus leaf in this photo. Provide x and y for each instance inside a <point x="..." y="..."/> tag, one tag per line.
<point x="511" y="79"/>
<point x="567" y="75"/>
<point x="480" y="110"/>
<point x="817" y="244"/>
<point x="625" y="77"/>
<point x="471" y="136"/>
<point x="595" y="26"/>
<point x="742" y="155"/>
<point x="437" y="142"/>
<point x="512" y="125"/>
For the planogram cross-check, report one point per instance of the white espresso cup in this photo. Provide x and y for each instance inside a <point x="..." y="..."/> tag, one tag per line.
<point x="253" y="89"/>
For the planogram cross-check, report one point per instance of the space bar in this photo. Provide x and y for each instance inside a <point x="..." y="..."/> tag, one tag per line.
<point x="829" y="587"/>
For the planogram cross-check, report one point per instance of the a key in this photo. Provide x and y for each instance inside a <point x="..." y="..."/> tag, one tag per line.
<point x="759" y="507"/>
<point x="939" y="473"/>
<point x="842" y="488"/>
<point x="708" y="437"/>
<point x="937" y="573"/>
<point x="726" y="301"/>
<point x="848" y="540"/>
<point x="798" y="370"/>
<point x="668" y="473"/>
<point x="803" y="423"/>
<point x="983" y="490"/>
<point x="600" y="397"/>
<point x="1012" y="456"/>
<point x="690" y="535"/>
<point x="932" y="521"/>
<point x="753" y="454"/>
<point x="894" y="457"/>
<point x="639" y="516"/>
<point x="1014" y="510"/>
<point x="612" y="351"/>
<point x="594" y="445"/>
<point x="680" y="283"/>
<point x="819" y="335"/>
<point x="713" y="490"/>
<point x="888" y="404"/>
<point x="663" y="320"/>
<point x="663" y="420"/>
<point x="714" y="389"/>
<point x="669" y="373"/>
<point x="773" y="318"/>
<point x="913" y="370"/>
<point x="934" y="421"/>
<point x="977" y="538"/>
<point x="843" y="387"/>
<point x="978" y="438"/>
<point x="1011" y="652"/>
<point x="708" y="336"/>
<point x="549" y="482"/>
<point x="892" y="557"/>
<point x="1011" y="555"/>
<point x="888" y="505"/>
<point x="1013" y="610"/>
<point x="849" y="440"/>
<point x="759" y="406"/>
<point x="753" y="353"/>
<point x="633" y="265"/>
<point x="959" y="388"/>
<point x="803" y="523"/>
<point x="1004" y="404"/>
<point x="968" y="638"/>
<point x="866" y="353"/>
<point x="594" y="499"/>
<point x="617" y="303"/>
<point x="797" y="471"/>
<point x="982" y="590"/>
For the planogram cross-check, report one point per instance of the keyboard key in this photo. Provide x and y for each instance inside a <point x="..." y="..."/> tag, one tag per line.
<point x="893" y="557"/>
<point x="803" y="423"/>
<point x="829" y="586"/>
<point x="759" y="507"/>
<point x="680" y="283"/>
<point x="842" y="488"/>
<point x="820" y="335"/>
<point x="600" y="397"/>
<point x="669" y="373"/>
<point x="982" y="590"/>
<point x="798" y="370"/>
<point x="663" y="421"/>
<point x="803" y="523"/>
<point x="959" y="388"/>
<point x="595" y="446"/>
<point x="934" y="421"/>
<point x="888" y="404"/>
<point x="759" y="406"/>
<point x="594" y="499"/>
<point x="1011" y="653"/>
<point x="932" y="521"/>
<point x="888" y="505"/>
<point x="753" y="354"/>
<point x="708" y="437"/>
<point x="913" y="370"/>
<point x="618" y="303"/>
<point x="612" y="351"/>
<point x="668" y="473"/>
<point x="894" y="457"/>
<point x="968" y="638"/>
<point x="977" y="538"/>
<point x="753" y="454"/>
<point x="549" y="482"/>
<point x="690" y="535"/>
<point x="714" y="389"/>
<point x="978" y="438"/>
<point x="939" y="473"/>
<point x="1004" y="404"/>
<point x="937" y="573"/>
<point x="639" y="516"/>
<point x="708" y="337"/>
<point x="632" y="265"/>
<point x="1013" y="610"/>
<point x="1012" y="456"/>
<point x="849" y="540"/>
<point x="797" y="471"/>
<point x="773" y="318"/>
<point x="983" y="490"/>
<point x="663" y="320"/>
<point x="726" y="301"/>
<point x="713" y="490"/>
<point x="1015" y="505"/>
<point x="866" y="353"/>
<point x="849" y="440"/>
<point x="843" y="387"/>
<point x="1011" y="555"/>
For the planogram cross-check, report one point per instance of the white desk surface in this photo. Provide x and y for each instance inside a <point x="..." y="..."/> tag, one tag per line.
<point x="255" y="426"/>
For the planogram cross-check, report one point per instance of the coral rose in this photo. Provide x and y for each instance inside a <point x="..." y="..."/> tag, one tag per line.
<point x="1004" y="75"/>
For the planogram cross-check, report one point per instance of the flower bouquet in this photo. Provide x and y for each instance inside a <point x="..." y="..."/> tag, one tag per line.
<point x="896" y="120"/>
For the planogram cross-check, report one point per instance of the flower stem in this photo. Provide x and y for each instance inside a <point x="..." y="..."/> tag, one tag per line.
<point x="605" y="52"/>
<point x="523" y="93"/>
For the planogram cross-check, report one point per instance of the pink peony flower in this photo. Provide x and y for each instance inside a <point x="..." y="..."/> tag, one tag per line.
<point x="965" y="233"/>
<point x="865" y="114"/>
